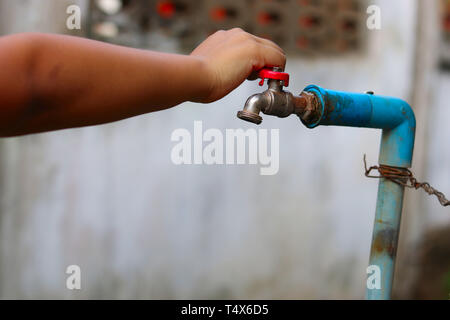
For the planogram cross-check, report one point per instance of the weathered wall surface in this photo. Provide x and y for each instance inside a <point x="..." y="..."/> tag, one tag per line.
<point x="109" y="198"/>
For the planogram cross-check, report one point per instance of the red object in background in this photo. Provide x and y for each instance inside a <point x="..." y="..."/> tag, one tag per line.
<point x="447" y="22"/>
<point x="166" y="9"/>
<point x="306" y="22"/>
<point x="264" y="18"/>
<point x="218" y="14"/>
<point x="267" y="73"/>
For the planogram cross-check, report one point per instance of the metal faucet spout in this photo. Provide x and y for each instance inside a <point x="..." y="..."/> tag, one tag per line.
<point x="253" y="106"/>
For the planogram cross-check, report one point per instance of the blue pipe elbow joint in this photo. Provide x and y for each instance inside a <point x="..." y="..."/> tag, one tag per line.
<point x="393" y="115"/>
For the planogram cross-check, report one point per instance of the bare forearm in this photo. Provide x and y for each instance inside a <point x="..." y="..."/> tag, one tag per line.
<point x="76" y="82"/>
<point x="50" y="82"/>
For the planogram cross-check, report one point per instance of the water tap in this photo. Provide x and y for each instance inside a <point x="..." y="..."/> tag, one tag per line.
<point x="278" y="102"/>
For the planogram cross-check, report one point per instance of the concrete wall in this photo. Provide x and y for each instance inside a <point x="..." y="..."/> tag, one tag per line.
<point x="109" y="198"/>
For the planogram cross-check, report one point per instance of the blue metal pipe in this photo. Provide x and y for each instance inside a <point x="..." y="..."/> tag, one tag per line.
<point x="396" y="118"/>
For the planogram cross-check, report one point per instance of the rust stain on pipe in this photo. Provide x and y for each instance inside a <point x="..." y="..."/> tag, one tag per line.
<point x="385" y="241"/>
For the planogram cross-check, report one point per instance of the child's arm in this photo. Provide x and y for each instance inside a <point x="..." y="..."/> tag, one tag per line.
<point x="50" y="82"/>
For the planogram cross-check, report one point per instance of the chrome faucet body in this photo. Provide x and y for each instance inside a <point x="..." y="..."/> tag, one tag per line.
<point x="277" y="102"/>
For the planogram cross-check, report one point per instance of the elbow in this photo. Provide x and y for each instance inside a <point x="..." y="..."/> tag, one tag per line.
<point x="397" y="143"/>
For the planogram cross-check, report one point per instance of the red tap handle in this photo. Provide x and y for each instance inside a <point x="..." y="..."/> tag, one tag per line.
<point x="267" y="73"/>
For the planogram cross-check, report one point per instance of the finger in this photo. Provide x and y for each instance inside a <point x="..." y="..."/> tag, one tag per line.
<point x="269" y="43"/>
<point x="268" y="56"/>
<point x="259" y="40"/>
<point x="272" y="57"/>
<point x="236" y="30"/>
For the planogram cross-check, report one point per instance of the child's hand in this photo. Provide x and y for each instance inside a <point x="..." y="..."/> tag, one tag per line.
<point x="231" y="56"/>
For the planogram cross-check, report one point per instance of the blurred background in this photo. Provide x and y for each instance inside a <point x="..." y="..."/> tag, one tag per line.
<point x="110" y="200"/>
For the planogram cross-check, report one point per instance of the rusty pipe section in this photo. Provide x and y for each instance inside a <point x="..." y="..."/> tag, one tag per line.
<point x="277" y="102"/>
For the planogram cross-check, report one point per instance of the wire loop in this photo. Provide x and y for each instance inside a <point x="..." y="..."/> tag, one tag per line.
<point x="404" y="177"/>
